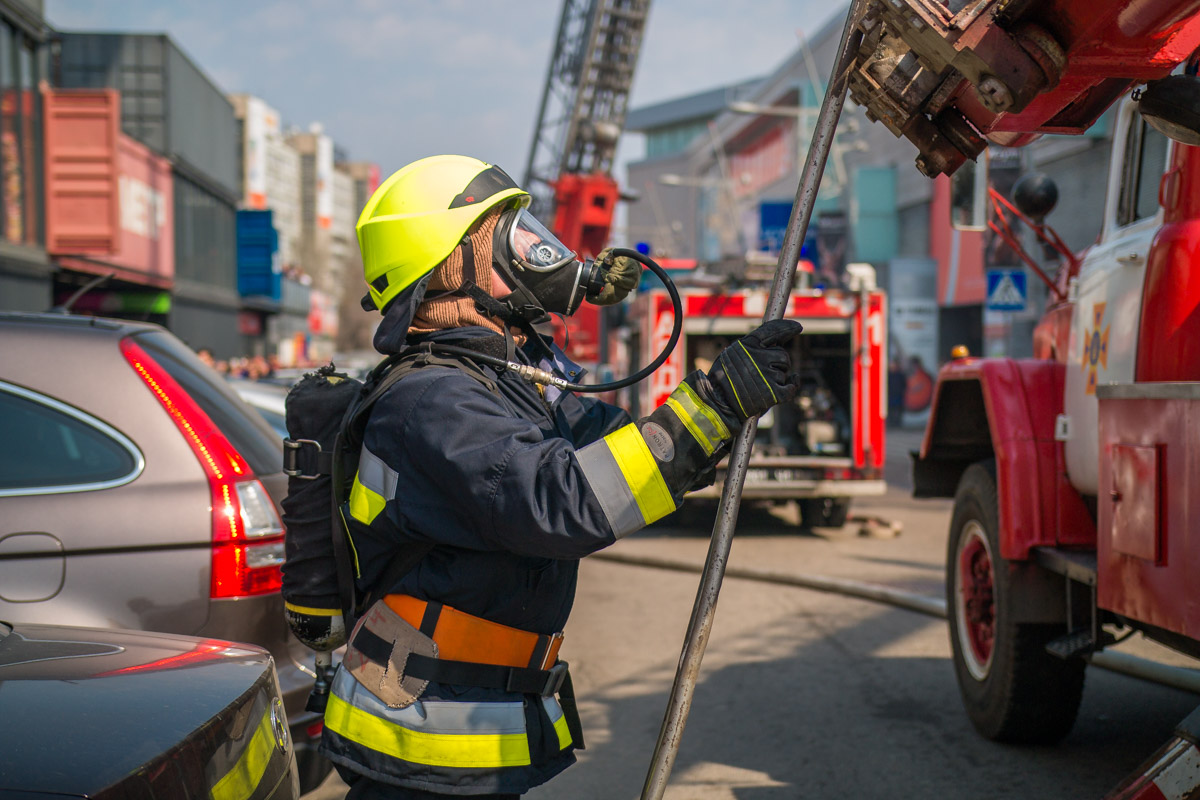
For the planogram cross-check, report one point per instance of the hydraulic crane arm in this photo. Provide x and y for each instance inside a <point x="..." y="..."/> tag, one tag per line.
<point x="952" y="75"/>
<point x="580" y="118"/>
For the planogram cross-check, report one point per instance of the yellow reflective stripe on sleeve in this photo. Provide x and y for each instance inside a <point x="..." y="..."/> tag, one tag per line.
<point x="365" y="504"/>
<point x="419" y="747"/>
<point x="640" y="471"/>
<point x="312" y="612"/>
<point x="612" y="491"/>
<point x="702" y="422"/>
<point x="759" y="371"/>
<point x="241" y="781"/>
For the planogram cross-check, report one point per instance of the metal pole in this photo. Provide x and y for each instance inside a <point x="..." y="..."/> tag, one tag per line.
<point x="704" y="610"/>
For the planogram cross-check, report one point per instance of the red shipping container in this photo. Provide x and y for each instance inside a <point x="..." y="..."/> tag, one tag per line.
<point x="109" y="199"/>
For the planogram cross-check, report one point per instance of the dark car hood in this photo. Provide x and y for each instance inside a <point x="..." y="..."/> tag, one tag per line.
<point x="84" y="710"/>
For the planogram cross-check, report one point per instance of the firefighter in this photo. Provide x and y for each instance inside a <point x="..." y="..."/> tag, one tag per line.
<point x="451" y="684"/>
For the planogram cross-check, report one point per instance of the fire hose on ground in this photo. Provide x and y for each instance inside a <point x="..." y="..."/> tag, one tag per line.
<point x="1183" y="678"/>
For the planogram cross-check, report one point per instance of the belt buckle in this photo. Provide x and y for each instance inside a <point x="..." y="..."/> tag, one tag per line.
<point x="554" y="680"/>
<point x="291" y="458"/>
<point x="551" y="656"/>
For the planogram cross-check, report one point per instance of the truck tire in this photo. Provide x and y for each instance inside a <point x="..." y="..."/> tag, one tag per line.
<point x="1012" y="689"/>
<point x="824" y="512"/>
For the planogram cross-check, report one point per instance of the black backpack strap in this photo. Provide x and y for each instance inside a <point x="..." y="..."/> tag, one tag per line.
<point x="383" y="377"/>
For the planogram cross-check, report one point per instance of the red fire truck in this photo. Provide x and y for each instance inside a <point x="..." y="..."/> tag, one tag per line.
<point x="825" y="447"/>
<point x="1075" y="473"/>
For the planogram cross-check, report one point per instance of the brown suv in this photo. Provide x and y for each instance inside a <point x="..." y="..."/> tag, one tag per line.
<point x="138" y="491"/>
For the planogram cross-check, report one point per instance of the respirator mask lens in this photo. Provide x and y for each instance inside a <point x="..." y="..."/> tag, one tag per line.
<point x="535" y="248"/>
<point x="544" y="274"/>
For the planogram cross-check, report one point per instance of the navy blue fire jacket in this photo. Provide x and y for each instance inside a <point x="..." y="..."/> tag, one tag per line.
<point x="492" y="481"/>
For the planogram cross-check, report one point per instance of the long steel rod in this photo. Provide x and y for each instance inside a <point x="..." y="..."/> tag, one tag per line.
<point x="705" y="607"/>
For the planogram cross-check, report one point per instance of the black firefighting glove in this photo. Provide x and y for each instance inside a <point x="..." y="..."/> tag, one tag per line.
<point x="621" y="276"/>
<point x="754" y="373"/>
<point x="689" y="433"/>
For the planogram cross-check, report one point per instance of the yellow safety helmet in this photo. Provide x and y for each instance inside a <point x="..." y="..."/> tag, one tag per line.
<point x="418" y="216"/>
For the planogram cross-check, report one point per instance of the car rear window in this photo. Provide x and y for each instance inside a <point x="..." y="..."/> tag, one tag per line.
<point x="55" y="448"/>
<point x="246" y="431"/>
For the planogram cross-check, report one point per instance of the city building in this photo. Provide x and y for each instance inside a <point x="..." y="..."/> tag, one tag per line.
<point x="134" y="188"/>
<point x="355" y="328"/>
<point x="667" y="209"/>
<point x="721" y="169"/>
<point x="269" y="171"/>
<point x="276" y="309"/>
<point x="316" y="150"/>
<point x="26" y="272"/>
<point x="168" y="105"/>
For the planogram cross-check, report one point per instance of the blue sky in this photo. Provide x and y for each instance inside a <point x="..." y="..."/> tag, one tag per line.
<point x="397" y="80"/>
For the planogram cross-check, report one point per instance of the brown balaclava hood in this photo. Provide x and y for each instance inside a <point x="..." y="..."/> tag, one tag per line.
<point x="456" y="311"/>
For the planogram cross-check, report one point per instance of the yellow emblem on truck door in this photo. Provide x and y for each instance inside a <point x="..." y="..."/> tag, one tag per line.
<point x="1095" y="347"/>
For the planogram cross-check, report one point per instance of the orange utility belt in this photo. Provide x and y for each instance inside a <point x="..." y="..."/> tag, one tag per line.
<point x="464" y="637"/>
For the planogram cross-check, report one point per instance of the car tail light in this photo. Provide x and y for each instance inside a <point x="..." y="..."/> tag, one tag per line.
<point x="247" y="534"/>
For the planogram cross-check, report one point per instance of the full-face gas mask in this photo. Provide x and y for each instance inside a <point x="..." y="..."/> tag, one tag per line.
<point x="546" y="277"/>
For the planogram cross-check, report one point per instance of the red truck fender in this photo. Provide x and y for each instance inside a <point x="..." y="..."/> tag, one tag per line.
<point x="1005" y="409"/>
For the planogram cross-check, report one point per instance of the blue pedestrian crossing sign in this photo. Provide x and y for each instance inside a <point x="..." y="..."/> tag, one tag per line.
<point x="1007" y="290"/>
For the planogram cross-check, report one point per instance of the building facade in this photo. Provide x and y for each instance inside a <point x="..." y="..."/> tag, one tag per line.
<point x="720" y="174"/>
<point x="356" y="328"/>
<point x="270" y="172"/>
<point x="275" y="323"/>
<point x="26" y="272"/>
<point x="172" y="108"/>
<point x="123" y="174"/>
<point x="316" y="151"/>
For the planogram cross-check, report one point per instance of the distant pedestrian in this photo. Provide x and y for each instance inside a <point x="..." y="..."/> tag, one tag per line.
<point x="918" y="394"/>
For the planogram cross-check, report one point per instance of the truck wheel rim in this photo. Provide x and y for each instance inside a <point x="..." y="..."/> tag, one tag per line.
<point x="974" y="600"/>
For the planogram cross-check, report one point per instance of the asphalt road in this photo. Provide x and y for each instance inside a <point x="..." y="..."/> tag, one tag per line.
<point x="810" y="695"/>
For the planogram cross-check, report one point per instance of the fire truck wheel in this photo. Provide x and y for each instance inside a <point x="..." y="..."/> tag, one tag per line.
<point x="1013" y="690"/>
<point x="824" y="512"/>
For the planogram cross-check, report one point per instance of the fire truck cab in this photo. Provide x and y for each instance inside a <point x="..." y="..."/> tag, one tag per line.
<point x="825" y="447"/>
<point x="1073" y="472"/>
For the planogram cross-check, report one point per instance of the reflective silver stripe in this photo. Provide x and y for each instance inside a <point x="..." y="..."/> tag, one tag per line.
<point x="553" y="709"/>
<point x="376" y="475"/>
<point x="611" y="489"/>
<point x="558" y="721"/>
<point x="435" y="716"/>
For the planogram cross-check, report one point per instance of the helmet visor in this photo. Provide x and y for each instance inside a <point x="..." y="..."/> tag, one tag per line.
<point x="534" y="247"/>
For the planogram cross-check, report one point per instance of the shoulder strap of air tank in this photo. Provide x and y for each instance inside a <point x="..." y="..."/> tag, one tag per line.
<point x="383" y="377"/>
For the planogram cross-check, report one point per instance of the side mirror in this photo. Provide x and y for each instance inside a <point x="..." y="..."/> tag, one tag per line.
<point x="968" y="196"/>
<point x="1172" y="107"/>
<point x="1035" y="195"/>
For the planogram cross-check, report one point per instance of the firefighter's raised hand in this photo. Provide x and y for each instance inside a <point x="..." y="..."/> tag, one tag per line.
<point x="621" y="276"/>
<point x="755" y="372"/>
